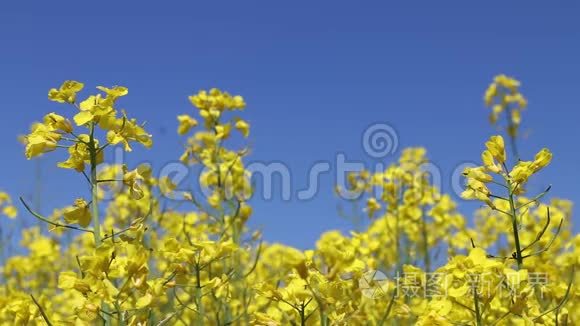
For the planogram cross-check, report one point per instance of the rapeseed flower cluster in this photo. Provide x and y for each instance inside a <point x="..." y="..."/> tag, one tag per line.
<point x="140" y="258"/>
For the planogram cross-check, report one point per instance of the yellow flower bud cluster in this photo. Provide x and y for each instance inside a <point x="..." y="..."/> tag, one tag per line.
<point x="503" y="95"/>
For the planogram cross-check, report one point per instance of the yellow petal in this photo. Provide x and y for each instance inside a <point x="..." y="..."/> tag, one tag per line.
<point x="83" y="117"/>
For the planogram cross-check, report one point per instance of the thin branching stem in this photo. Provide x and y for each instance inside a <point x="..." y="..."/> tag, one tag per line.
<point x="41" y="310"/>
<point x="46" y="220"/>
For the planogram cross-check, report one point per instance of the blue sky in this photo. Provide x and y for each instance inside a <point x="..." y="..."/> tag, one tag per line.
<point x="314" y="75"/>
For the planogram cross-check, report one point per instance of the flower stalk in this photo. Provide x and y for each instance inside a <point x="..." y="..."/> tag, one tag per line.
<point x="93" y="152"/>
<point x="515" y="226"/>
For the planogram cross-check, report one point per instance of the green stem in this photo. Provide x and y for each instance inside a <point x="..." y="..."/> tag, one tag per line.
<point x="95" y="200"/>
<point x="120" y="314"/>
<point x="389" y="308"/>
<point x="512" y="133"/>
<point x="198" y="296"/>
<point x="46" y="220"/>
<point x="398" y="243"/>
<point x="477" y="311"/>
<point x="41" y="310"/>
<point x="515" y="227"/>
<point x="426" y="257"/>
